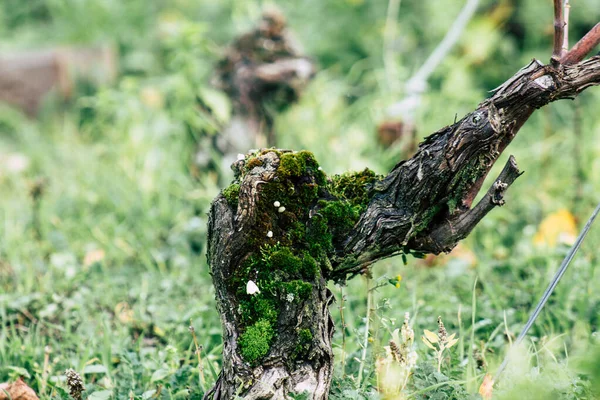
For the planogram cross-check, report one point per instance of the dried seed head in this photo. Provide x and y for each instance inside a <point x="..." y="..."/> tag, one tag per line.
<point x="75" y="384"/>
<point x="396" y="352"/>
<point x="408" y="335"/>
<point x="442" y="334"/>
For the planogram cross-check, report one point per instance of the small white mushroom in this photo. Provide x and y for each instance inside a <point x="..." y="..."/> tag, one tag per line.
<point x="281" y="209"/>
<point x="276" y="204"/>
<point x="251" y="288"/>
<point x="270" y="234"/>
<point x="320" y="169"/>
<point x="241" y="157"/>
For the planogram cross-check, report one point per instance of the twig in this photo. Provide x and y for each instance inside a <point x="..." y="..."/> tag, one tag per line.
<point x="342" y="299"/>
<point x="366" y="341"/>
<point x="565" y="46"/>
<point x="198" y="351"/>
<point x="559" y="32"/>
<point x="559" y="274"/>
<point x="583" y="47"/>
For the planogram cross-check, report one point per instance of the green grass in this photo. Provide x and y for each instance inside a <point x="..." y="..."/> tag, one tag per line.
<point x="118" y="179"/>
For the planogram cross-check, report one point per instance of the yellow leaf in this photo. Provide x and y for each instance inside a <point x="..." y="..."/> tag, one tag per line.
<point x="432" y="337"/>
<point x="558" y="227"/>
<point x="486" y="388"/>
<point x="424" y="339"/>
<point x="451" y="343"/>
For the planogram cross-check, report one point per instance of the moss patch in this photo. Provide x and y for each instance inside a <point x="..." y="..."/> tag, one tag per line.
<point x="287" y="264"/>
<point x="355" y="187"/>
<point x="305" y="338"/>
<point x="255" y="342"/>
<point x="232" y="194"/>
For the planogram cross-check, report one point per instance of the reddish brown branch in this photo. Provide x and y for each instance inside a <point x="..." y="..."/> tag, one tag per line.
<point x="565" y="46"/>
<point x="583" y="47"/>
<point x="559" y="31"/>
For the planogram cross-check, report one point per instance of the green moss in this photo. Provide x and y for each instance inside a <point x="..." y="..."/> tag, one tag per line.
<point x="257" y="308"/>
<point x="287" y="266"/>
<point x="291" y="165"/>
<point x="253" y="162"/>
<point x="284" y="260"/>
<point x="305" y="338"/>
<point x="354" y="187"/>
<point x="341" y="216"/>
<point x="319" y="238"/>
<point x="231" y="194"/>
<point x="298" y="289"/>
<point x="255" y="342"/>
<point x="309" y="266"/>
<point x="452" y="203"/>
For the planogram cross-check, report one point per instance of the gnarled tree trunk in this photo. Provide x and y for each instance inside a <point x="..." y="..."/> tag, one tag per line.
<point x="283" y="229"/>
<point x="263" y="72"/>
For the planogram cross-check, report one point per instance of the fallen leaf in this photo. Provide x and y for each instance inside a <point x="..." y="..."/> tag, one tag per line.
<point x="92" y="257"/>
<point x="17" y="391"/>
<point x="486" y="388"/>
<point x="557" y="228"/>
<point x="124" y="312"/>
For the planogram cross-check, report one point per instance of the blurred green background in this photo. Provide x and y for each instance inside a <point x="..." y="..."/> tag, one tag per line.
<point x="103" y="218"/>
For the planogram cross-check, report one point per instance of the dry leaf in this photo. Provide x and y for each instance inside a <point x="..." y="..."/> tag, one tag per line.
<point x="17" y="391"/>
<point x="124" y="312"/>
<point x="92" y="257"/>
<point x="556" y="228"/>
<point x="486" y="388"/>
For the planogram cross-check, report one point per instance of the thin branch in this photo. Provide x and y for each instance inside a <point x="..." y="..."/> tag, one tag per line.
<point x="449" y="233"/>
<point x="565" y="46"/>
<point x="559" y="32"/>
<point x="583" y="47"/>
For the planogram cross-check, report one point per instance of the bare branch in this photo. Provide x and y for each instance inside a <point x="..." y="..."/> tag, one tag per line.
<point x="559" y="32"/>
<point x="565" y="46"/>
<point x="583" y="47"/>
<point x="412" y="205"/>
<point x="455" y="229"/>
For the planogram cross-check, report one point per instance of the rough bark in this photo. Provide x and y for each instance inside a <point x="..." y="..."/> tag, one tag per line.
<point x="344" y="224"/>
